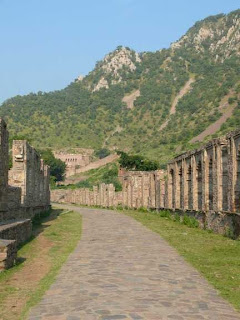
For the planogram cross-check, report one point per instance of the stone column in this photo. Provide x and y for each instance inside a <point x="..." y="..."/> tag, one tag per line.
<point x="4" y="162"/>
<point x="95" y="194"/>
<point x="146" y="186"/>
<point x="232" y="170"/>
<point x="185" y="184"/>
<point x="194" y="184"/>
<point x="176" y="186"/>
<point x="205" y="181"/>
<point x="152" y="194"/>
<point x="217" y="178"/>
<point x="111" y="194"/>
<point x="169" y="188"/>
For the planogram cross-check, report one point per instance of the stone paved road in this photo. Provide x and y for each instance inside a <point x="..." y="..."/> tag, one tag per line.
<point x="122" y="270"/>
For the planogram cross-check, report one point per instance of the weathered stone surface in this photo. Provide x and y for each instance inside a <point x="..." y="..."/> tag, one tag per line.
<point x="24" y="192"/>
<point x="19" y="230"/>
<point x="8" y="254"/>
<point x="204" y="183"/>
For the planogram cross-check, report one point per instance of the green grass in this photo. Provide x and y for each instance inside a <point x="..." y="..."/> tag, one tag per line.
<point x="106" y="174"/>
<point x="65" y="235"/>
<point x="215" y="256"/>
<point x="61" y="232"/>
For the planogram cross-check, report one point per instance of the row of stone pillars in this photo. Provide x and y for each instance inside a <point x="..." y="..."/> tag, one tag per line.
<point x="206" y="179"/>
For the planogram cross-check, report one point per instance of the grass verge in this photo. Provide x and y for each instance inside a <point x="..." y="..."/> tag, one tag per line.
<point x="23" y="286"/>
<point x="216" y="257"/>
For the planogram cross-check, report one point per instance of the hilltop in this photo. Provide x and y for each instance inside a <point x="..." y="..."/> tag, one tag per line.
<point x="154" y="103"/>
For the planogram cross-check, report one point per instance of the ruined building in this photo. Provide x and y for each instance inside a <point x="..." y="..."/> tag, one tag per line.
<point x="74" y="161"/>
<point x="24" y="192"/>
<point x="204" y="183"/>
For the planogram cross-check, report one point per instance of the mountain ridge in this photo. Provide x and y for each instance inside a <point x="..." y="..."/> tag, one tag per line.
<point x="87" y="112"/>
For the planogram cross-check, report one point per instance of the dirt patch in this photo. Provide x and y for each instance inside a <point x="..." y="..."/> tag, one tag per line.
<point x="130" y="98"/>
<point x="27" y="278"/>
<point x="187" y="87"/>
<point x="227" y="111"/>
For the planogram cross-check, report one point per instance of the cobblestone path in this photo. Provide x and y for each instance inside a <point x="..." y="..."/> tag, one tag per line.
<point x="122" y="270"/>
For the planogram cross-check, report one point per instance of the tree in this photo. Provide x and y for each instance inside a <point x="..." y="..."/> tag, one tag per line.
<point x="57" y="166"/>
<point x="102" y="153"/>
<point x="136" y="162"/>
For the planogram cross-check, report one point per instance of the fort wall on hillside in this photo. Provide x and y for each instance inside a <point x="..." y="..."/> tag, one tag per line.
<point x="204" y="183"/>
<point x="74" y="161"/>
<point x="24" y="192"/>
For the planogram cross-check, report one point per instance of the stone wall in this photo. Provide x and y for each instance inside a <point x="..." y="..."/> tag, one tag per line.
<point x="73" y="161"/>
<point x="207" y="180"/>
<point x="203" y="183"/>
<point x="139" y="189"/>
<point x="24" y="191"/>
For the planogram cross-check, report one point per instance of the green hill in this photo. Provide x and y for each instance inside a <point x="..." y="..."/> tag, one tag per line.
<point x="178" y="93"/>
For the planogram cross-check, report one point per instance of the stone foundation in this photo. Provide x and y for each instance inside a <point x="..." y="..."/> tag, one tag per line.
<point x="20" y="231"/>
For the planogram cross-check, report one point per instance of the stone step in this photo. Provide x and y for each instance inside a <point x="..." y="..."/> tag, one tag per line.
<point x="18" y="230"/>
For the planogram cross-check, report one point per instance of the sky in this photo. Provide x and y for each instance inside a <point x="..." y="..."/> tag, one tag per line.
<point x="46" y="44"/>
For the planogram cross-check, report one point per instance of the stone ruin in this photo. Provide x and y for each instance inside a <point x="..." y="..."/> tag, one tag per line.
<point x="74" y="161"/>
<point x="24" y="192"/>
<point x="140" y="189"/>
<point x="204" y="184"/>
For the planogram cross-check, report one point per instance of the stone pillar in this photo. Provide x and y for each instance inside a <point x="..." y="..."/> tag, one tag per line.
<point x="169" y="193"/>
<point x="176" y="186"/>
<point x="129" y="193"/>
<point x="217" y="178"/>
<point x="184" y="184"/>
<point x="111" y="194"/>
<point x="124" y="192"/>
<point x="102" y="194"/>
<point x="41" y="184"/>
<point x="4" y="162"/>
<point x="205" y="181"/>
<point x="232" y="170"/>
<point x="194" y="184"/>
<point x="146" y="186"/>
<point x="95" y="194"/>
<point x="152" y="193"/>
<point x="46" y="185"/>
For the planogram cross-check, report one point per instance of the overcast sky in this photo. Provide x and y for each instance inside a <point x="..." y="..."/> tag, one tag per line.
<point x="46" y="44"/>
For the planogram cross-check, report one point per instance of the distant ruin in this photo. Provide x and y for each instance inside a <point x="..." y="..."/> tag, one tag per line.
<point x="204" y="183"/>
<point x="74" y="161"/>
<point x="24" y="192"/>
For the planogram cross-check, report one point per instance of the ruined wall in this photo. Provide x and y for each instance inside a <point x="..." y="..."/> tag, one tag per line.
<point x="207" y="180"/>
<point x="24" y="191"/>
<point x="204" y="183"/>
<point x="74" y="161"/>
<point x="140" y="189"/>
<point x="31" y="176"/>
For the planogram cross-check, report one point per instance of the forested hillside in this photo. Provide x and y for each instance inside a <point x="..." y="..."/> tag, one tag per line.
<point x="183" y="89"/>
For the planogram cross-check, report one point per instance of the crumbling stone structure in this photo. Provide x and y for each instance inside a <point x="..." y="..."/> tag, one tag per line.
<point x="204" y="183"/>
<point x="74" y="161"/>
<point x="139" y="189"/>
<point x="24" y="192"/>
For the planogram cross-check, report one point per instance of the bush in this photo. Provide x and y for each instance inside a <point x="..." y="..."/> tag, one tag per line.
<point x="102" y="153"/>
<point x="190" y="222"/>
